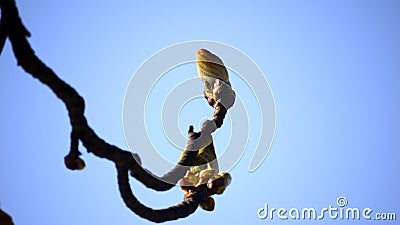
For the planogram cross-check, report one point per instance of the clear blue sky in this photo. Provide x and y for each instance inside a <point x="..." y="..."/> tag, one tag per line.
<point x="333" y="67"/>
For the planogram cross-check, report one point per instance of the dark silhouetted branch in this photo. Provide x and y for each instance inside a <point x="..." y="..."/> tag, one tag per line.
<point x="5" y="219"/>
<point x="11" y="27"/>
<point x="181" y="210"/>
<point x="75" y="104"/>
<point x="198" y="194"/>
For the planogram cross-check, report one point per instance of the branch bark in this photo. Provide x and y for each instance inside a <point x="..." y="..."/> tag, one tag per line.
<point x="5" y="219"/>
<point x="26" y="58"/>
<point x="11" y="27"/>
<point x="181" y="210"/>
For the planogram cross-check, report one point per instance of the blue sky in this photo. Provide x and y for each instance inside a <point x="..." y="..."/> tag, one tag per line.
<point x="333" y="67"/>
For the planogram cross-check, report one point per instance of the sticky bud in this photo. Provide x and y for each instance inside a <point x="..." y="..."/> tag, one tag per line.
<point x="74" y="163"/>
<point x="219" y="182"/>
<point x="208" y="204"/>
<point x="205" y="175"/>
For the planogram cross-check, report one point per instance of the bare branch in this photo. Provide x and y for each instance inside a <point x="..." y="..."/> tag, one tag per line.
<point x="75" y="104"/>
<point x="181" y="210"/>
<point x="5" y="219"/>
<point x="11" y="27"/>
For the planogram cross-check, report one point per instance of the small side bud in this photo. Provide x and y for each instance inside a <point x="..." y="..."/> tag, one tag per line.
<point x="74" y="162"/>
<point x="218" y="183"/>
<point x="208" y="204"/>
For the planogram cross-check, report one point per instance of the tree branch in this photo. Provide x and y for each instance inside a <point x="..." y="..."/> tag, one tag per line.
<point x="11" y="26"/>
<point x="26" y="58"/>
<point x="181" y="210"/>
<point x="5" y="219"/>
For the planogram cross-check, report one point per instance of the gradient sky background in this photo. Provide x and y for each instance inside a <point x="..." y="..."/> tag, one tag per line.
<point x="333" y="67"/>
